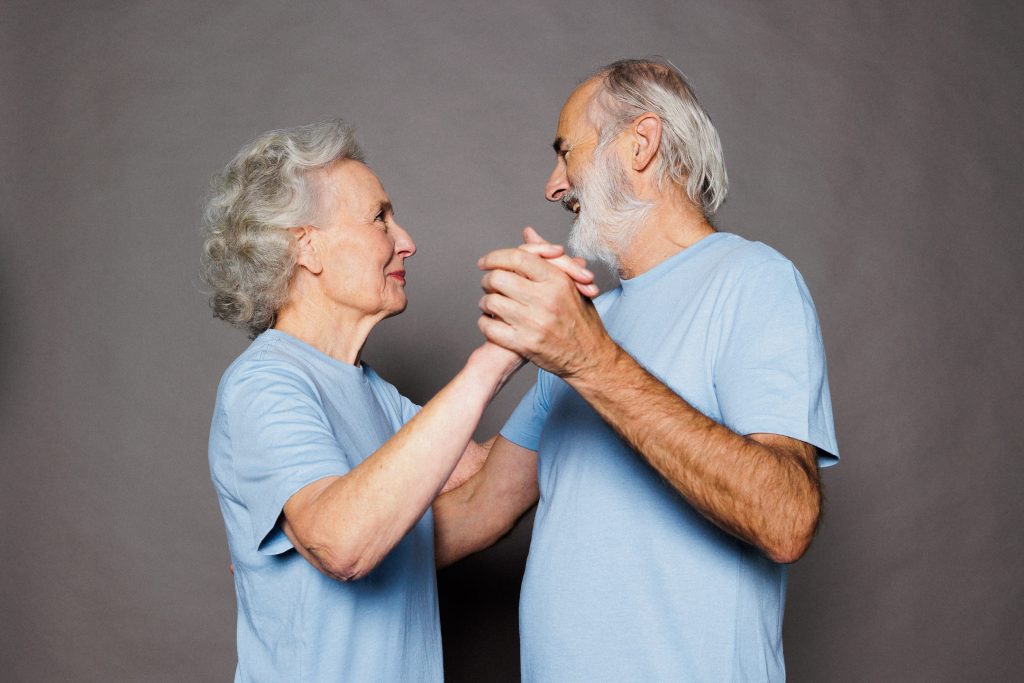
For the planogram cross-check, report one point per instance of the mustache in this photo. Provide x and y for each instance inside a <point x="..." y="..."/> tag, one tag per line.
<point x="571" y="199"/>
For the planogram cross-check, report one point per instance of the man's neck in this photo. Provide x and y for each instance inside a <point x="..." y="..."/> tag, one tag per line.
<point x="672" y="225"/>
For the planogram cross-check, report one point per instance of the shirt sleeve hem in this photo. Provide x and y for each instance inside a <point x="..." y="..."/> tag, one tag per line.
<point x="268" y="537"/>
<point x="828" y="452"/>
<point x="530" y="442"/>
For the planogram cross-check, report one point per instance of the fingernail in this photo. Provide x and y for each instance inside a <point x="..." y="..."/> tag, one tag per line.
<point x="587" y="273"/>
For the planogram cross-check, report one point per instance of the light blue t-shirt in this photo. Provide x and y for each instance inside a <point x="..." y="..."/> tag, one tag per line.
<point x="288" y="415"/>
<point x="625" y="581"/>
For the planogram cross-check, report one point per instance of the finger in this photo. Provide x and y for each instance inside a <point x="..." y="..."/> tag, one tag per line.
<point x="553" y="254"/>
<point x="588" y="290"/>
<point x="507" y="284"/>
<point x="545" y="250"/>
<point x="575" y="267"/>
<point x="531" y="236"/>
<point x="570" y="267"/>
<point x="499" y="332"/>
<point x="518" y="261"/>
<point x="495" y="305"/>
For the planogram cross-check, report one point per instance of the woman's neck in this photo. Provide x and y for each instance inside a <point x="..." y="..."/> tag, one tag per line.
<point x="340" y="334"/>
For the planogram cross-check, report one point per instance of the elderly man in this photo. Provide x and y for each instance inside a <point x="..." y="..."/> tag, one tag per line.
<point x="679" y="420"/>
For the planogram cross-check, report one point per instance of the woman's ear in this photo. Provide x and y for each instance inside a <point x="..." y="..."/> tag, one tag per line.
<point x="306" y="255"/>
<point x="646" y="131"/>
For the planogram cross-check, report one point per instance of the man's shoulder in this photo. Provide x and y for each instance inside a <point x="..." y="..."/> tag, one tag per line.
<point x="739" y="254"/>
<point x="740" y="264"/>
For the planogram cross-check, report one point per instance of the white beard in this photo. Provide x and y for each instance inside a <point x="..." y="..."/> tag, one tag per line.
<point x="609" y="216"/>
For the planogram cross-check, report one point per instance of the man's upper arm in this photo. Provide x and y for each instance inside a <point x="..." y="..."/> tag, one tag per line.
<point x="513" y="468"/>
<point x="508" y="482"/>
<point x="472" y="460"/>
<point x="770" y="370"/>
<point x="801" y="452"/>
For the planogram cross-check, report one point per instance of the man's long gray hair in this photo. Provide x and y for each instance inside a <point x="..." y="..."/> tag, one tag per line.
<point x="248" y="258"/>
<point x="690" y="152"/>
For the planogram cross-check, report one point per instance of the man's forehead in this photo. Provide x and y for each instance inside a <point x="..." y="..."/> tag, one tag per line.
<point x="573" y="120"/>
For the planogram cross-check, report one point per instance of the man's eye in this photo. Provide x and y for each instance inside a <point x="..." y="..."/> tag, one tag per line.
<point x="379" y="216"/>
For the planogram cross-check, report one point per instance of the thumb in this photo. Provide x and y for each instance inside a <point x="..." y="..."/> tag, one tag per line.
<point x="531" y="236"/>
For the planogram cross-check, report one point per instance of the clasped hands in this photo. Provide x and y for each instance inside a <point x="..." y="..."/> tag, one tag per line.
<point x="537" y="303"/>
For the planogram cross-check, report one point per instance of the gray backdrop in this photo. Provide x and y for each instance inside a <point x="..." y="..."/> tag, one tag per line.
<point x="877" y="144"/>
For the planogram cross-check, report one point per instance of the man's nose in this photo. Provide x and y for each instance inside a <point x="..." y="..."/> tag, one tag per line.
<point x="558" y="183"/>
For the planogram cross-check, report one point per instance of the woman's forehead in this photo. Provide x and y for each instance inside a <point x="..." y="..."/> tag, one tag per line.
<point x="350" y="185"/>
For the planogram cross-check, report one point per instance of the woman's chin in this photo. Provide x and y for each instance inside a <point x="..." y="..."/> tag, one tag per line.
<point x="397" y="309"/>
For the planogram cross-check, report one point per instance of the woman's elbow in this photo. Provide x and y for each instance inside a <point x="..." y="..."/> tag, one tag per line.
<point x="345" y="565"/>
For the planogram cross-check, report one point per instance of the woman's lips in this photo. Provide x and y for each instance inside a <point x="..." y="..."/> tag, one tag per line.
<point x="398" y="275"/>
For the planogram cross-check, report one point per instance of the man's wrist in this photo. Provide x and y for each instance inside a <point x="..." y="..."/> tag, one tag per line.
<point x="597" y="366"/>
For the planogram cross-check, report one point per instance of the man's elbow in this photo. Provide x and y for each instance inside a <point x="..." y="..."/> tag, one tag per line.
<point x="791" y="545"/>
<point x="788" y="551"/>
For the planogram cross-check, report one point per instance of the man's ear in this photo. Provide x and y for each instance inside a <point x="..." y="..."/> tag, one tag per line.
<point x="306" y="255"/>
<point x="646" y="131"/>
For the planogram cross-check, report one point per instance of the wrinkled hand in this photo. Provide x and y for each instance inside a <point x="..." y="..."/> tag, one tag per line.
<point x="574" y="267"/>
<point x="532" y="307"/>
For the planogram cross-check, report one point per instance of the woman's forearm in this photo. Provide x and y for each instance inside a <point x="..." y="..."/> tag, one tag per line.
<point x="346" y="525"/>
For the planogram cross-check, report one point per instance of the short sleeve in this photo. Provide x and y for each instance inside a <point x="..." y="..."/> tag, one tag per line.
<point x="281" y="441"/>
<point x="770" y="372"/>
<point x="400" y="405"/>
<point x="525" y="425"/>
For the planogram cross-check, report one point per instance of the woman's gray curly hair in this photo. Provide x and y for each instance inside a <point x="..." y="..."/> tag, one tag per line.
<point x="248" y="258"/>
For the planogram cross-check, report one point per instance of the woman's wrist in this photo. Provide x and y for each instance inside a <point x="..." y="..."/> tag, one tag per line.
<point x="491" y="366"/>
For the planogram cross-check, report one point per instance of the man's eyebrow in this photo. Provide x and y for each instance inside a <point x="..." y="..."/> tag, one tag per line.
<point x="559" y="145"/>
<point x="386" y="206"/>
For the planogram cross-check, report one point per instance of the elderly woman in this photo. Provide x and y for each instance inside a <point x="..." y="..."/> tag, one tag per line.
<point x="324" y="472"/>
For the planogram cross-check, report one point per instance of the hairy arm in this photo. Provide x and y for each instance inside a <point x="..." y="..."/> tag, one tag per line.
<point x="485" y="508"/>
<point x="762" y="488"/>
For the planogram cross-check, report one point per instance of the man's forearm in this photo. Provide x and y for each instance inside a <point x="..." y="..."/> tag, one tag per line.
<point x="767" y="496"/>
<point x="485" y="508"/>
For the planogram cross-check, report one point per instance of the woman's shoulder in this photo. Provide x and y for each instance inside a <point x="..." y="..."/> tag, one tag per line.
<point x="266" y="361"/>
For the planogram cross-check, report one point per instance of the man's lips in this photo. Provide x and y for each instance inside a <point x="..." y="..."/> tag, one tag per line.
<point x="398" y="275"/>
